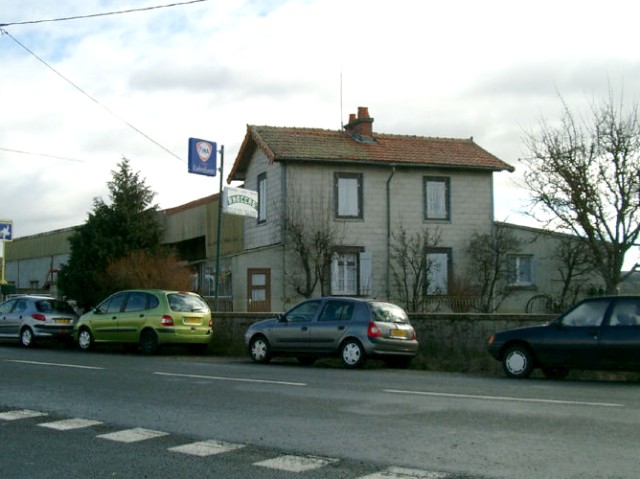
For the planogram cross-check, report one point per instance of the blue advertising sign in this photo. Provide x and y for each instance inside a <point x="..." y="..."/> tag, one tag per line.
<point x="6" y="230"/>
<point x="202" y="157"/>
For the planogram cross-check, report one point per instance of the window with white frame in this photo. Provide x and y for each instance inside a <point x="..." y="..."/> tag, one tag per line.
<point x="436" y="198"/>
<point x="520" y="270"/>
<point x="348" y="188"/>
<point x="262" y="198"/>
<point x="438" y="262"/>
<point x="351" y="273"/>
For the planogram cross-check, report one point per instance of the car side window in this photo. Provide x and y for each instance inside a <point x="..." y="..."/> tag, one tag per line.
<point x="303" y="313"/>
<point x="625" y="313"/>
<point x="336" y="311"/>
<point x="136" y="302"/>
<point x="586" y="314"/>
<point x="114" y="304"/>
<point x="7" y="306"/>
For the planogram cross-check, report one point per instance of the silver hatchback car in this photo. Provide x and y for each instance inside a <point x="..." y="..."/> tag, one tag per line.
<point x="28" y="318"/>
<point x="350" y="328"/>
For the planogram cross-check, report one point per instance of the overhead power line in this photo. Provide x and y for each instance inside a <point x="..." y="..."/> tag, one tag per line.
<point x="93" y="15"/>
<point x="89" y="96"/>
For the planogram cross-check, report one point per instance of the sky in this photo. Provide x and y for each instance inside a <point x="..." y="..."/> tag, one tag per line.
<point x="76" y="96"/>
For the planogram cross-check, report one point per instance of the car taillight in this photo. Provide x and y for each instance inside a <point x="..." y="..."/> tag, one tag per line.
<point x="38" y="317"/>
<point x="211" y="324"/>
<point x="166" y="320"/>
<point x="414" y="336"/>
<point x="373" y="331"/>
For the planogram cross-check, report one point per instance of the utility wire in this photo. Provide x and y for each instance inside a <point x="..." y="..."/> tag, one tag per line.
<point x="89" y="96"/>
<point x="41" y="154"/>
<point x="93" y="15"/>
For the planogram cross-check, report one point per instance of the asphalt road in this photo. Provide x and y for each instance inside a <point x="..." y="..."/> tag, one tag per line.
<point x="178" y="416"/>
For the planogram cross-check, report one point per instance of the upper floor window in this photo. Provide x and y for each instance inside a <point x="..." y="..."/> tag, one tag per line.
<point x="262" y="198"/>
<point x="436" y="198"/>
<point x="520" y="270"/>
<point x="348" y="188"/>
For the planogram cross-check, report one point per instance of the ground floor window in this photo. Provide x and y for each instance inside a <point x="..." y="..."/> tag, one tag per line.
<point x="438" y="271"/>
<point x="351" y="272"/>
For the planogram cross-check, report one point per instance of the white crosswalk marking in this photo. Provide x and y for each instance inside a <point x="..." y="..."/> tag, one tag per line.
<point x="206" y="448"/>
<point x="295" y="463"/>
<point x="133" y="435"/>
<point x="404" y="473"/>
<point x="20" y="414"/>
<point x="69" y="424"/>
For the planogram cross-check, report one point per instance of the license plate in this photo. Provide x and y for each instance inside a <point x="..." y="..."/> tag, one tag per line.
<point x="192" y="321"/>
<point x="62" y="321"/>
<point x="398" y="333"/>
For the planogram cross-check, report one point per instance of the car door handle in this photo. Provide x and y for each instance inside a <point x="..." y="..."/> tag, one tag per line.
<point x="340" y="328"/>
<point x="304" y="328"/>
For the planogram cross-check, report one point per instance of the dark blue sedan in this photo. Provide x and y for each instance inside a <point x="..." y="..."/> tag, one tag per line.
<point x="597" y="333"/>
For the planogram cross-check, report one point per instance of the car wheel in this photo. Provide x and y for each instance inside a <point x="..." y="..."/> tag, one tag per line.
<point x="518" y="362"/>
<point x="26" y="338"/>
<point x="149" y="343"/>
<point x="260" y="350"/>
<point x="85" y="339"/>
<point x="352" y="354"/>
<point x="555" y="373"/>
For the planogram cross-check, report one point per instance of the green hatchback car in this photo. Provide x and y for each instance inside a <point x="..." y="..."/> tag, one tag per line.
<point x="147" y="318"/>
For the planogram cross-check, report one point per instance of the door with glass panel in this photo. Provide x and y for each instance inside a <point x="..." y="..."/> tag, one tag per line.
<point x="258" y="290"/>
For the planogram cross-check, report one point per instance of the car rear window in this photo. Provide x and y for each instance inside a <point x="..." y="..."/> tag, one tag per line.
<point x="182" y="302"/>
<point x="54" y="306"/>
<point x="388" y="313"/>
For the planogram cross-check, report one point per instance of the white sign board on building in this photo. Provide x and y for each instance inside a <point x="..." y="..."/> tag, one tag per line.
<point x="238" y="201"/>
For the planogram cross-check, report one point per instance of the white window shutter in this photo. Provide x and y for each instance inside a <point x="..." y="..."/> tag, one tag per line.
<point x="334" y="274"/>
<point x="365" y="274"/>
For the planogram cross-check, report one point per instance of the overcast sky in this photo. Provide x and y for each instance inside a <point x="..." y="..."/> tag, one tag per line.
<point x="151" y="79"/>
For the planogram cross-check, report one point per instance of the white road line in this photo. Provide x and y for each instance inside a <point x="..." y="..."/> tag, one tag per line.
<point x="295" y="463"/>
<point x="20" y="414"/>
<point x="206" y="448"/>
<point x="242" y="380"/>
<point x="403" y="473"/>
<point x="69" y="424"/>
<point x="133" y="435"/>
<point x="505" y="398"/>
<point x="52" y="364"/>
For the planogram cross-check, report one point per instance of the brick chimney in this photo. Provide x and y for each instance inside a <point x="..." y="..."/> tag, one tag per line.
<point x="362" y="125"/>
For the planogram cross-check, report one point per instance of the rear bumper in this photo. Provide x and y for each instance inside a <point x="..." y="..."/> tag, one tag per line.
<point x="391" y="347"/>
<point x="45" y="331"/>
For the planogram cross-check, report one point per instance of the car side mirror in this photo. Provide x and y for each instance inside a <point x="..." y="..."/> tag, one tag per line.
<point x="282" y="318"/>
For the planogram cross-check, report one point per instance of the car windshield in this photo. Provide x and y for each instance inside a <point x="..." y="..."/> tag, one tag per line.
<point x="388" y="313"/>
<point x="54" y="306"/>
<point x="182" y="302"/>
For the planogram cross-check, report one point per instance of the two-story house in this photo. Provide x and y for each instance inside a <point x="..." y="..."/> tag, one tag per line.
<point x="361" y="189"/>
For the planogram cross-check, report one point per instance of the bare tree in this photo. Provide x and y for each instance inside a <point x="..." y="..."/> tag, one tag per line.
<point x="410" y="267"/>
<point x="313" y="235"/>
<point x="489" y="268"/>
<point x="575" y="267"/>
<point x="585" y="177"/>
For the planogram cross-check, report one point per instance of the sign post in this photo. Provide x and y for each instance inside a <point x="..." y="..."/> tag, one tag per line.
<point x="202" y="161"/>
<point x="6" y="234"/>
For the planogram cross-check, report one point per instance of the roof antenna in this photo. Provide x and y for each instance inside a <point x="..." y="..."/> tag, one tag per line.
<point x="341" y="124"/>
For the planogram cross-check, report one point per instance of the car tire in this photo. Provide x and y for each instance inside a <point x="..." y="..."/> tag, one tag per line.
<point x="27" y="339"/>
<point x="518" y="362"/>
<point x="352" y="354"/>
<point x="85" y="340"/>
<point x="149" y="343"/>
<point x="555" y="372"/>
<point x="260" y="350"/>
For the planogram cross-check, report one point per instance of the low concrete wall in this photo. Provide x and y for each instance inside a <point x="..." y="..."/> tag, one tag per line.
<point x="448" y="342"/>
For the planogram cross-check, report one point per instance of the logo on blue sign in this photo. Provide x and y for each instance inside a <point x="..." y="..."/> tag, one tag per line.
<point x="202" y="157"/>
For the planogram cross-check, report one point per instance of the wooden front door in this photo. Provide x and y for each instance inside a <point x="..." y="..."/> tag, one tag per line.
<point x="258" y="290"/>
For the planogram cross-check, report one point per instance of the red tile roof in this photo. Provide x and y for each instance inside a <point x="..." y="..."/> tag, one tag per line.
<point x="318" y="145"/>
